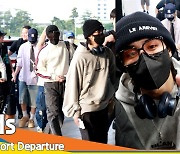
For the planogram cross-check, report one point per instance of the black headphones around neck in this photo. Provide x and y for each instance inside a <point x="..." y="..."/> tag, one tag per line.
<point x="146" y="107"/>
<point x="97" y="50"/>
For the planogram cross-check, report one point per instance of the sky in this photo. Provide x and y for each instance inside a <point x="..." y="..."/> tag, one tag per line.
<point x="42" y="11"/>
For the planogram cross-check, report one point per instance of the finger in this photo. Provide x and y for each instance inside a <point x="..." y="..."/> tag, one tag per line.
<point x="178" y="80"/>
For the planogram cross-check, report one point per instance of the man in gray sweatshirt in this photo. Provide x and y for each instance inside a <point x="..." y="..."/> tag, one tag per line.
<point x="90" y="84"/>
<point x="147" y="90"/>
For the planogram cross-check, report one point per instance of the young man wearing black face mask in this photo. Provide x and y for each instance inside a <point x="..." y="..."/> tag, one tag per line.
<point x="53" y="64"/>
<point x="172" y="23"/>
<point x="90" y="84"/>
<point x="147" y="90"/>
<point x="26" y="57"/>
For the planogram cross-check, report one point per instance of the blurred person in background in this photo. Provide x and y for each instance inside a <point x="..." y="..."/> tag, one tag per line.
<point x="159" y="10"/>
<point x="172" y="24"/>
<point x="147" y="4"/>
<point x="14" y="49"/>
<point x="26" y="57"/>
<point x="3" y="78"/>
<point x="16" y="44"/>
<point x="7" y="86"/>
<point x="71" y="38"/>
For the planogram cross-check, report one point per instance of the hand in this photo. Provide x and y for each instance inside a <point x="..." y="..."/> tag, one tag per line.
<point x="178" y="47"/>
<point x="2" y="80"/>
<point x="178" y="79"/>
<point x="60" y="78"/>
<point x="109" y="38"/>
<point x="76" y="120"/>
<point x="13" y="73"/>
<point x="13" y="78"/>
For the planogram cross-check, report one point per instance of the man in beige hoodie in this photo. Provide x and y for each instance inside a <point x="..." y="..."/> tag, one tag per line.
<point x="90" y="84"/>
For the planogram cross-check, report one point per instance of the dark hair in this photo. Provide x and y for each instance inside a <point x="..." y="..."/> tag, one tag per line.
<point x="27" y="27"/>
<point x="50" y="29"/>
<point x="113" y="14"/>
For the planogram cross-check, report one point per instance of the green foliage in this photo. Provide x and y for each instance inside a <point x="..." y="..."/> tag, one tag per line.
<point x="108" y="26"/>
<point x="62" y="24"/>
<point x="73" y="17"/>
<point x="59" y="23"/>
<point x="21" y="18"/>
<point x="7" y="21"/>
<point x="1" y="19"/>
<point x="87" y="15"/>
<point x="12" y="25"/>
<point x="39" y="29"/>
<point x="79" y="31"/>
<point x="74" y="13"/>
<point x="70" y="25"/>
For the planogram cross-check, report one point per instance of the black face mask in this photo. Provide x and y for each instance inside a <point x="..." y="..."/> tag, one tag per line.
<point x="151" y="72"/>
<point x="99" y="39"/>
<point x="171" y="19"/>
<point x="54" y="41"/>
<point x="54" y="37"/>
<point x="32" y="42"/>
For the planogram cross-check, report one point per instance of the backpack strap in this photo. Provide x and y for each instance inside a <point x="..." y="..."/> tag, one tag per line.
<point x="68" y="48"/>
<point x="67" y="45"/>
<point x="36" y="61"/>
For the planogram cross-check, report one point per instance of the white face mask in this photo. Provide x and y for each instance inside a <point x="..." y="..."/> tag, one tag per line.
<point x="71" y="41"/>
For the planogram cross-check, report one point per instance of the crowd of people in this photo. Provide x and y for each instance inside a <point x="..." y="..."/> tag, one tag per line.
<point x="129" y="75"/>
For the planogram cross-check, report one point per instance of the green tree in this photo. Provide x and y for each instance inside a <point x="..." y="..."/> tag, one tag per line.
<point x="70" y="25"/>
<point x="13" y="25"/>
<point x="21" y="18"/>
<point x="87" y="15"/>
<point x="108" y="26"/>
<point x="7" y="21"/>
<point x="74" y="13"/>
<point x="79" y="31"/>
<point x="54" y="20"/>
<point x="73" y="19"/>
<point x="1" y="20"/>
<point x="61" y="24"/>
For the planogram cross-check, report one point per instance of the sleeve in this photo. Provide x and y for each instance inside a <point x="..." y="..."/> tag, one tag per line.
<point x="41" y="40"/>
<point x="20" y="56"/>
<point x="112" y="68"/>
<point x="13" y="47"/>
<point x="71" y="51"/>
<point x="41" y="66"/>
<point x="160" y="4"/>
<point x="73" y="86"/>
<point x="3" y="70"/>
